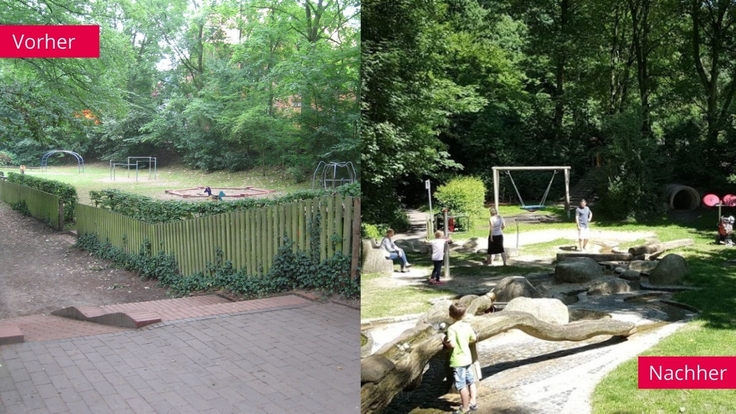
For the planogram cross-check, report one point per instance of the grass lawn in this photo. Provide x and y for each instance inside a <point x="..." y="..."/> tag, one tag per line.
<point x="711" y="267"/>
<point x="96" y="176"/>
<point x="712" y="334"/>
<point x="378" y="300"/>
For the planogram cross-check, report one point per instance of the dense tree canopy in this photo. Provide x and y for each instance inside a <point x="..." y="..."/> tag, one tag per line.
<point x="226" y="84"/>
<point x="462" y="85"/>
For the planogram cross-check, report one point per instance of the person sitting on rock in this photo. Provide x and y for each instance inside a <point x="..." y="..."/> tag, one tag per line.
<point x="393" y="252"/>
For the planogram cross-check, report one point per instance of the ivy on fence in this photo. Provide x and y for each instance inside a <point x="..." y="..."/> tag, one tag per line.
<point x="67" y="192"/>
<point x="291" y="270"/>
<point x="157" y="211"/>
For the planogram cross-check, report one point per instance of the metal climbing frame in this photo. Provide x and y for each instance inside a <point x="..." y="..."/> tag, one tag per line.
<point x="330" y="171"/>
<point x="149" y="160"/>
<point x="45" y="159"/>
<point x="497" y="181"/>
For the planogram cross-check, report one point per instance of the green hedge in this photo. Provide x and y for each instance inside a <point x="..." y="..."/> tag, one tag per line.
<point x="157" y="211"/>
<point x="67" y="192"/>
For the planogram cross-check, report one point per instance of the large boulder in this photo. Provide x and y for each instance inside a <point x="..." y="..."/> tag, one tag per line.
<point x="373" y="260"/>
<point x="643" y="265"/>
<point x="670" y="271"/>
<point x="633" y="275"/>
<point x="609" y="286"/>
<point x="577" y="270"/>
<point x="513" y="287"/>
<point x="547" y="310"/>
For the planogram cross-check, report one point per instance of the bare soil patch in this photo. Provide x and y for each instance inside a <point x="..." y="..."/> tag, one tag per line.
<point x="41" y="271"/>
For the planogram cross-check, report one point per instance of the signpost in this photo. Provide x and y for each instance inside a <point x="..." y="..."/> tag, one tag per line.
<point x="430" y="229"/>
<point x="447" y="246"/>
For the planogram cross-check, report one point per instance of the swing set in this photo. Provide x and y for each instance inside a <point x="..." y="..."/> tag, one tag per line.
<point x="540" y="205"/>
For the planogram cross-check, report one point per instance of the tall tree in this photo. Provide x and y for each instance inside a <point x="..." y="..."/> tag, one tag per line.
<point x="713" y="34"/>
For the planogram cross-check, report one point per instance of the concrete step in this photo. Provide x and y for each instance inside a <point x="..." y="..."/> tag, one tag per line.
<point x="137" y="314"/>
<point x="10" y="334"/>
<point x="131" y="319"/>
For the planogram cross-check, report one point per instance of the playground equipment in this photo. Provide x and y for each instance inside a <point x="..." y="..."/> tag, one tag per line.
<point x="725" y="223"/>
<point x="45" y="159"/>
<point x="149" y="161"/>
<point x="233" y="192"/>
<point x="712" y="200"/>
<point x="682" y="197"/>
<point x="532" y="207"/>
<point x="333" y="174"/>
<point x="540" y="205"/>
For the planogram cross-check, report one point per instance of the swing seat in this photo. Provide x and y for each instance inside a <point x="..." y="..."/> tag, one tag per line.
<point x="533" y="208"/>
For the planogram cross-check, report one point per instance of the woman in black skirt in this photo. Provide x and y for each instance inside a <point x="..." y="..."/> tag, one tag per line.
<point x="495" y="237"/>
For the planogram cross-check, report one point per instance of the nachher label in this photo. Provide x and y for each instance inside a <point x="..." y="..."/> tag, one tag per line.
<point x="692" y="372"/>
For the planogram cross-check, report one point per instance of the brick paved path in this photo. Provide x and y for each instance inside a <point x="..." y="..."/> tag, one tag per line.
<point x="298" y="358"/>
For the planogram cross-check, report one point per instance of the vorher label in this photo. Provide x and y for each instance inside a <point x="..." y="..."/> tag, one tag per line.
<point x="57" y="41"/>
<point x="691" y="372"/>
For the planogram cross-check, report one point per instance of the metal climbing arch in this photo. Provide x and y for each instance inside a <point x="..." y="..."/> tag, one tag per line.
<point x="45" y="159"/>
<point x="333" y="174"/>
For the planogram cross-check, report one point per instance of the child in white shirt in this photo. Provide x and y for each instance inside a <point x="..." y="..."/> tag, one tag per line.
<point x="439" y="244"/>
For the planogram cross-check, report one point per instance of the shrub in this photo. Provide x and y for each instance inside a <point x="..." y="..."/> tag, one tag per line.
<point x="7" y="158"/>
<point x="67" y="192"/>
<point x="382" y="205"/>
<point x="22" y="208"/>
<point x="371" y="231"/>
<point x="463" y="195"/>
<point x="291" y="270"/>
<point x="157" y="211"/>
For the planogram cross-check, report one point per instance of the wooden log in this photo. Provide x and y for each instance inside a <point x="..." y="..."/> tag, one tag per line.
<point x="641" y="249"/>
<point x="659" y="247"/>
<point x="598" y="257"/>
<point x="404" y="359"/>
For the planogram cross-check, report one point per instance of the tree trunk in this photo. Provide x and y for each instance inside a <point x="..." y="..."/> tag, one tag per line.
<point x="561" y="58"/>
<point x="640" y="20"/>
<point x="398" y="364"/>
<point x="598" y="257"/>
<point x="659" y="247"/>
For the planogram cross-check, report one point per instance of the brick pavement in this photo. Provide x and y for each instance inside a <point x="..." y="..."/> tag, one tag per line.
<point x="279" y="355"/>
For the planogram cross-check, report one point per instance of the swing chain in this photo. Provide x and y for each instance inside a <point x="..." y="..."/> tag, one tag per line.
<point x="544" y="197"/>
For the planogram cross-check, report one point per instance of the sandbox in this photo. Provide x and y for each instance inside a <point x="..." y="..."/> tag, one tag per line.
<point x="233" y="192"/>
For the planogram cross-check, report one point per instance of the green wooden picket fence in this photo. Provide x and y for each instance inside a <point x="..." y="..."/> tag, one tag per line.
<point x="43" y="206"/>
<point x="250" y="238"/>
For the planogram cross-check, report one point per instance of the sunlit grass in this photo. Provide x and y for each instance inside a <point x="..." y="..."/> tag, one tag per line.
<point x="380" y="298"/>
<point x="619" y="393"/>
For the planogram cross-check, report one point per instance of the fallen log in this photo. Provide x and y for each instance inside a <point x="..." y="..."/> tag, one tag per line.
<point x="598" y="257"/>
<point x="403" y="360"/>
<point x="659" y="247"/>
